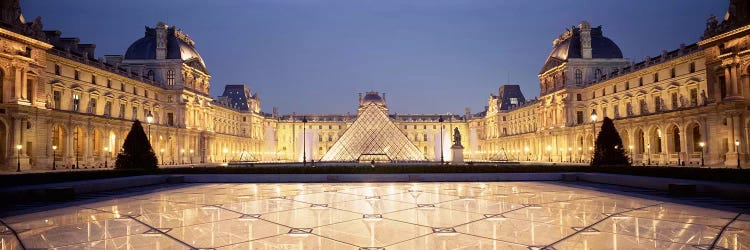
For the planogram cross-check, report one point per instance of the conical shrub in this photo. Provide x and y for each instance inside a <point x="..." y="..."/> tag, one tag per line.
<point x="608" y="147"/>
<point x="136" y="150"/>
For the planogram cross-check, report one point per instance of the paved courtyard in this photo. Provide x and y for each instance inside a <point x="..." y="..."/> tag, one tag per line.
<point x="492" y="215"/>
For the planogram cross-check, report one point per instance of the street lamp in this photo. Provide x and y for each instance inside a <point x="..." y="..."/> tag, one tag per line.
<point x="702" y="144"/>
<point x="19" y="147"/>
<point x="149" y="119"/>
<point x="191" y="156"/>
<point x="526" y="149"/>
<point x="304" y="141"/>
<point x="54" y="153"/>
<point x="549" y="155"/>
<point x="593" y="122"/>
<point x="182" y="156"/>
<point x="225" y="154"/>
<point x="106" y="156"/>
<point x="737" y="149"/>
<point x="631" y="153"/>
<point x="648" y="152"/>
<point x="442" y="161"/>
<point x="162" y="156"/>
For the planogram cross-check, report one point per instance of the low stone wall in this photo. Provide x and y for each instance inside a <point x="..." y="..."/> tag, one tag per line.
<point x="68" y="190"/>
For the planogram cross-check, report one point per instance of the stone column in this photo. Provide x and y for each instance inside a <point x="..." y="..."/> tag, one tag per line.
<point x="23" y="87"/>
<point x="17" y="85"/>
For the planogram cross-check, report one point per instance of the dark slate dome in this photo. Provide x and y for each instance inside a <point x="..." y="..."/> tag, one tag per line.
<point x="569" y="46"/>
<point x="372" y="97"/>
<point x="178" y="47"/>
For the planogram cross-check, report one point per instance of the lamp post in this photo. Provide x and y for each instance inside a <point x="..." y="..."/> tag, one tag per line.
<point x="442" y="160"/>
<point x="304" y="141"/>
<point x="106" y="156"/>
<point x="182" y="156"/>
<point x="225" y="154"/>
<point x="526" y="149"/>
<point x="737" y="149"/>
<point x="18" y="148"/>
<point x="648" y="152"/>
<point x="191" y="156"/>
<point x="162" y="156"/>
<point x="54" y="153"/>
<point x="631" y="154"/>
<point x="702" y="144"/>
<point x="593" y="122"/>
<point x="549" y="154"/>
<point x="149" y="119"/>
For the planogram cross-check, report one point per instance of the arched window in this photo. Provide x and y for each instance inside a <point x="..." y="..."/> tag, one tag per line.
<point x="170" y="77"/>
<point x="579" y="77"/>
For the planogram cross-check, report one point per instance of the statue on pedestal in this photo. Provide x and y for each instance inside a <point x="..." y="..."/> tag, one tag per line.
<point x="456" y="137"/>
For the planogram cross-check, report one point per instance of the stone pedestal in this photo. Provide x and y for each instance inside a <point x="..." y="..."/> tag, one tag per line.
<point x="458" y="154"/>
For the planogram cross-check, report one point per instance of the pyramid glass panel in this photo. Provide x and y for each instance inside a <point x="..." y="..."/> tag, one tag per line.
<point x="373" y="136"/>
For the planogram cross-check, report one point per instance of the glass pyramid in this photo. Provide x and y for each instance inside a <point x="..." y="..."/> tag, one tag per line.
<point x="373" y="136"/>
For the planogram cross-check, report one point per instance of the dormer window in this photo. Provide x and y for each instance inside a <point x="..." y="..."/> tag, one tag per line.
<point x="170" y="77"/>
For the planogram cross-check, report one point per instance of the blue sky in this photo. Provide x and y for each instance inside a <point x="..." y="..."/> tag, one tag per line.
<point x="433" y="56"/>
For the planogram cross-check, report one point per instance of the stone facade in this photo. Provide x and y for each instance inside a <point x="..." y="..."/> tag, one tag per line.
<point x="59" y="103"/>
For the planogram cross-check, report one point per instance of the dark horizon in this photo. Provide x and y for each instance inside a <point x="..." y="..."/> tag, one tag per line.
<point x="416" y="52"/>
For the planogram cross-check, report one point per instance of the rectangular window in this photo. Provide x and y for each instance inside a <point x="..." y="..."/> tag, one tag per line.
<point x="627" y="85"/>
<point x="76" y="102"/>
<point x="93" y="79"/>
<point x="57" y="98"/>
<point x="657" y="104"/>
<point x="77" y="75"/>
<point x="108" y="108"/>
<point x="92" y="106"/>
<point x="614" y="89"/>
<point x="122" y="111"/>
<point x="694" y="97"/>
<point x="672" y="73"/>
<point x="656" y="77"/>
<point x="578" y="97"/>
<point x="135" y="113"/>
<point x="109" y="83"/>
<point x="170" y="119"/>
<point x="640" y="81"/>
<point x="692" y="67"/>
<point x="675" y="104"/>
<point x="643" y="107"/>
<point x="579" y="117"/>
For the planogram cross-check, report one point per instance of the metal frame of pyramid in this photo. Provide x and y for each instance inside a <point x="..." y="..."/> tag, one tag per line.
<point x="372" y="134"/>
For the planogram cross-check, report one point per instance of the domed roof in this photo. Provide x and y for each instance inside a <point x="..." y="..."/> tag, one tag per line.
<point x="372" y="97"/>
<point x="569" y="46"/>
<point x="179" y="46"/>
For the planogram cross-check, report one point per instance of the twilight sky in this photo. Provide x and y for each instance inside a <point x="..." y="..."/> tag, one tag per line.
<point x="433" y="56"/>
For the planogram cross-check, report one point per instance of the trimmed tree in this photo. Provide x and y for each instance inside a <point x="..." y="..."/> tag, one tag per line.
<point x="136" y="150"/>
<point x="608" y="147"/>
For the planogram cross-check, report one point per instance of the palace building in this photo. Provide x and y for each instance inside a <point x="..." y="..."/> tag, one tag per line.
<point x="61" y="104"/>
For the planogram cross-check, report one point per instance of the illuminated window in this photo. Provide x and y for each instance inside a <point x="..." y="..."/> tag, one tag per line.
<point x="76" y="102"/>
<point x="170" y="77"/>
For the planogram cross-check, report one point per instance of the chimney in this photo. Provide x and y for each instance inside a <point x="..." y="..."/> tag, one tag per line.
<point x="585" y="28"/>
<point x="161" y="41"/>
